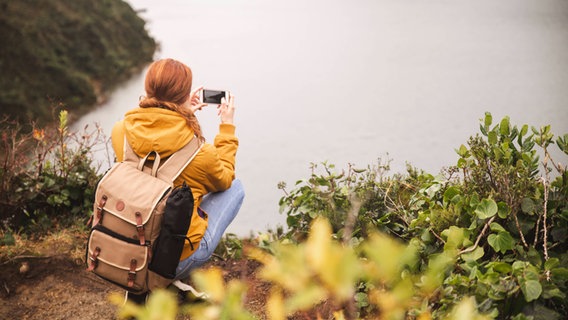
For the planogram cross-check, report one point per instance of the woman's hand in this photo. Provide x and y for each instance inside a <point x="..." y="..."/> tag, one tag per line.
<point x="226" y="110"/>
<point x="196" y="103"/>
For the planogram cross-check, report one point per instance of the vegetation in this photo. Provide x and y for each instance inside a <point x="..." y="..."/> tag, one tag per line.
<point x="503" y="222"/>
<point x="484" y="240"/>
<point x="66" y="53"/>
<point x="47" y="176"/>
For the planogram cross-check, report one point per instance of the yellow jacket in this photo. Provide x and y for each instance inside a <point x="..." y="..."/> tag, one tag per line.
<point x="166" y="131"/>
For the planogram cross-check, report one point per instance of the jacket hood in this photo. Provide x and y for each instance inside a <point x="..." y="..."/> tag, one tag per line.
<point x="156" y="129"/>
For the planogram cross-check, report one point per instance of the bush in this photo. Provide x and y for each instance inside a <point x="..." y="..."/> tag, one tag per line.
<point x="501" y="211"/>
<point x="47" y="177"/>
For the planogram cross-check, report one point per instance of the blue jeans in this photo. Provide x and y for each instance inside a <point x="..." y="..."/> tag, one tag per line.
<point x="222" y="207"/>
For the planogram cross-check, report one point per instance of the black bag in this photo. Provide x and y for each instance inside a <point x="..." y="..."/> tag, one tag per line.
<point x="175" y="224"/>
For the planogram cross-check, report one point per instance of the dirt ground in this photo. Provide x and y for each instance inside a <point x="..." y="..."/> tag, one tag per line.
<point x="56" y="287"/>
<point x="45" y="278"/>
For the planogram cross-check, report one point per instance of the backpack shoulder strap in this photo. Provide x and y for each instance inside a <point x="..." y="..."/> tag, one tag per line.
<point x="133" y="159"/>
<point x="177" y="162"/>
<point x="128" y="155"/>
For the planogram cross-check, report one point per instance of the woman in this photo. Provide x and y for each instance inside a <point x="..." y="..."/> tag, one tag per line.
<point x="165" y="122"/>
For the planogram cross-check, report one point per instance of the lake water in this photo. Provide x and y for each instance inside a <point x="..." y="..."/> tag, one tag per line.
<point x="354" y="81"/>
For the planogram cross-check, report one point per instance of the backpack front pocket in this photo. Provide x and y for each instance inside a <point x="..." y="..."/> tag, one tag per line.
<point x="120" y="260"/>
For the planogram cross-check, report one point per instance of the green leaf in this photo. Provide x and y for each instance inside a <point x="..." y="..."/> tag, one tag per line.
<point x="551" y="291"/>
<point x="488" y="119"/>
<point x="312" y="214"/>
<point x="501" y="242"/>
<point x="474" y="202"/>
<point x="560" y="274"/>
<point x="321" y="181"/>
<point x="524" y="130"/>
<point x="528" y="206"/>
<point x="492" y="138"/>
<point x="503" y="210"/>
<point x="562" y="143"/>
<point x="482" y="129"/>
<point x="8" y="239"/>
<point x="497" y="227"/>
<point x="501" y="267"/>
<point x="474" y="255"/>
<point x="362" y="299"/>
<point x="455" y="237"/>
<point x="519" y="265"/>
<point x="462" y="151"/>
<point x="450" y="193"/>
<point x="504" y="126"/>
<point x="487" y="208"/>
<point x="531" y="289"/>
<point x="551" y="263"/>
<point x="534" y="256"/>
<point x="522" y="316"/>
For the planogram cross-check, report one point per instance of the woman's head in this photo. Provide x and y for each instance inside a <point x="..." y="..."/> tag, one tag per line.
<point x="168" y="85"/>
<point x="168" y="81"/>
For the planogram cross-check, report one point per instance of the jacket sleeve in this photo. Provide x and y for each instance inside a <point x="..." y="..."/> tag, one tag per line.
<point x="117" y="139"/>
<point x="221" y="166"/>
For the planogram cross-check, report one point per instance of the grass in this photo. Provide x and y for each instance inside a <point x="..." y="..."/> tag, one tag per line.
<point x="69" y="242"/>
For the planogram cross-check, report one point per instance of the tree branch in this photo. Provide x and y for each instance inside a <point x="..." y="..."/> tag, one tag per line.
<point x="470" y="249"/>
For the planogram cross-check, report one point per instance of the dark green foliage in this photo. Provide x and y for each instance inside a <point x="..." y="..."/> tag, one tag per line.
<point x="334" y="195"/>
<point x="230" y="247"/>
<point x="66" y="53"/>
<point x="47" y="177"/>
<point x="502" y="211"/>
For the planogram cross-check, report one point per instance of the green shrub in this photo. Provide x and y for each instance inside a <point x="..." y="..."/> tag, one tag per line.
<point x="501" y="211"/>
<point x="47" y="176"/>
<point x="355" y="201"/>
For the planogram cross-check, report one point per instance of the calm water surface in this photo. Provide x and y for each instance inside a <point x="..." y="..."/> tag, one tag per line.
<point x="353" y="81"/>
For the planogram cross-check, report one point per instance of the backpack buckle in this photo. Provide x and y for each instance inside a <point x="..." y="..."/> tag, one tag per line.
<point x="132" y="273"/>
<point x="140" y="228"/>
<point x="100" y="208"/>
<point x="93" y="259"/>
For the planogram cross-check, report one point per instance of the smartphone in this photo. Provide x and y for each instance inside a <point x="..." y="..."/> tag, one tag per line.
<point x="213" y="96"/>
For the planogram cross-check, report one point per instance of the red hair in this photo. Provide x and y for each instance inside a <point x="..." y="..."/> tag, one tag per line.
<point x="168" y="85"/>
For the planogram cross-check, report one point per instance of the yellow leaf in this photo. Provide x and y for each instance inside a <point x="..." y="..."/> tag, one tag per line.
<point x="258" y="255"/>
<point x="63" y="120"/>
<point x="275" y="306"/>
<point x="467" y="310"/>
<point x="394" y="303"/>
<point x="211" y="281"/>
<point x="288" y="268"/>
<point x="425" y="316"/>
<point x="437" y="267"/>
<point x="386" y="255"/>
<point x="338" y="315"/>
<point x="125" y="310"/>
<point x="318" y="244"/>
<point x="306" y="298"/>
<point x="341" y="272"/>
<point x="161" y="305"/>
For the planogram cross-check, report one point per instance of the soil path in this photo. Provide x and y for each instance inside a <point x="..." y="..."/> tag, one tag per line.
<point x="52" y="288"/>
<point x="58" y="288"/>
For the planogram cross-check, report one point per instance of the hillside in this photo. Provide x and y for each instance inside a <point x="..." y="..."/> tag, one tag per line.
<point x="59" y="53"/>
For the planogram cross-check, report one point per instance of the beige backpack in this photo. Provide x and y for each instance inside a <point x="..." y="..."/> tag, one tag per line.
<point x="130" y="203"/>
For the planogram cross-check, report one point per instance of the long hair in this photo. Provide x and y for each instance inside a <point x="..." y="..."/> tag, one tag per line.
<point x="168" y="85"/>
